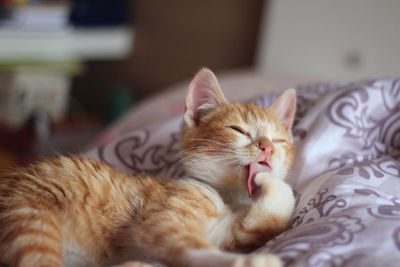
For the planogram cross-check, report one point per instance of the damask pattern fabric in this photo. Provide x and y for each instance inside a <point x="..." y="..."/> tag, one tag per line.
<point x="346" y="174"/>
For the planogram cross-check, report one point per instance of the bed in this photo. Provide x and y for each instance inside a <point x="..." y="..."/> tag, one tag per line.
<point x="346" y="175"/>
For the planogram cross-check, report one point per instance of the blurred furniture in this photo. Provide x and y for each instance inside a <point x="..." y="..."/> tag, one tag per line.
<point x="173" y="39"/>
<point x="70" y="44"/>
<point x="41" y="50"/>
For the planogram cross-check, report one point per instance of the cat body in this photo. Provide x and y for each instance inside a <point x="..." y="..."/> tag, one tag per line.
<point x="234" y="198"/>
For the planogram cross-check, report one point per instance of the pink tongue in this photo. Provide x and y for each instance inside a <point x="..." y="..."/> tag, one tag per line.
<point x="255" y="168"/>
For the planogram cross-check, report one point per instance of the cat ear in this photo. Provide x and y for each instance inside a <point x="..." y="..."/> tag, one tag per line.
<point x="203" y="95"/>
<point x="285" y="107"/>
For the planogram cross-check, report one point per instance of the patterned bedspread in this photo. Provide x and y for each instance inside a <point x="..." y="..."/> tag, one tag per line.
<point x="346" y="174"/>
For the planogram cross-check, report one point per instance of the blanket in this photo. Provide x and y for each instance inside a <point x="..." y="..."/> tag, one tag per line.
<point x="346" y="175"/>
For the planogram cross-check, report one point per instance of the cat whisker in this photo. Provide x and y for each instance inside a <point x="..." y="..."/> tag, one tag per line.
<point x="218" y="151"/>
<point x="225" y="159"/>
<point x="206" y="140"/>
<point x="216" y="158"/>
<point x="215" y="147"/>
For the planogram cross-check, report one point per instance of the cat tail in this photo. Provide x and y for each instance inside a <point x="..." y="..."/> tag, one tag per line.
<point x="29" y="237"/>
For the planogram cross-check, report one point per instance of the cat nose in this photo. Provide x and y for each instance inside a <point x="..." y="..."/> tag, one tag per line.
<point x="266" y="149"/>
<point x="265" y="145"/>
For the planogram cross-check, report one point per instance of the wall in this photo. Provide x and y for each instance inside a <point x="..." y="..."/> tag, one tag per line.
<point x="331" y="40"/>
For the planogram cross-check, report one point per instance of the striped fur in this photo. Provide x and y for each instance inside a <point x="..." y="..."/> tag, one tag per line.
<point x="206" y="219"/>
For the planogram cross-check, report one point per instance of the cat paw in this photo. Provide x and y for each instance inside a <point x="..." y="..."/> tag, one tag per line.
<point x="262" y="178"/>
<point x="258" y="261"/>
<point x="277" y="196"/>
<point x="133" y="264"/>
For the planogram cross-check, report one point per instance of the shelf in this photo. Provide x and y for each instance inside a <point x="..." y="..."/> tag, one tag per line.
<point x="66" y="45"/>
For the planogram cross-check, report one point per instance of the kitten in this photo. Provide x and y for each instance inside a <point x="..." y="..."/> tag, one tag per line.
<point x="234" y="198"/>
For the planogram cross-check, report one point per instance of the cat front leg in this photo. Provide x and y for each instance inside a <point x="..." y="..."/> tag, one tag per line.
<point x="189" y="251"/>
<point x="133" y="264"/>
<point x="267" y="216"/>
<point x="213" y="258"/>
<point x="275" y="197"/>
<point x="179" y="244"/>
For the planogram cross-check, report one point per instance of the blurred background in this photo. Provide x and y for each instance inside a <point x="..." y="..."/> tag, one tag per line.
<point x="74" y="74"/>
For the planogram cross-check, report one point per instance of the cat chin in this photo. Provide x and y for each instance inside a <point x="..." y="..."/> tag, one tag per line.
<point x="207" y="169"/>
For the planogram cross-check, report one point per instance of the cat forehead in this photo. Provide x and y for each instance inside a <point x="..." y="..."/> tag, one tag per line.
<point x="244" y="113"/>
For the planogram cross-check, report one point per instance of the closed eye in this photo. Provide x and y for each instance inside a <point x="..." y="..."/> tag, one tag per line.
<point x="239" y="130"/>
<point x="278" y="140"/>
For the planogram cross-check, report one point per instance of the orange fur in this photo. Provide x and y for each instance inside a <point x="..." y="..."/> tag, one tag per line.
<point x="76" y="202"/>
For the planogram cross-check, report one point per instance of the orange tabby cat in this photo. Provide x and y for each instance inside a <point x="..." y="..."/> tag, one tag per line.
<point x="74" y="211"/>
